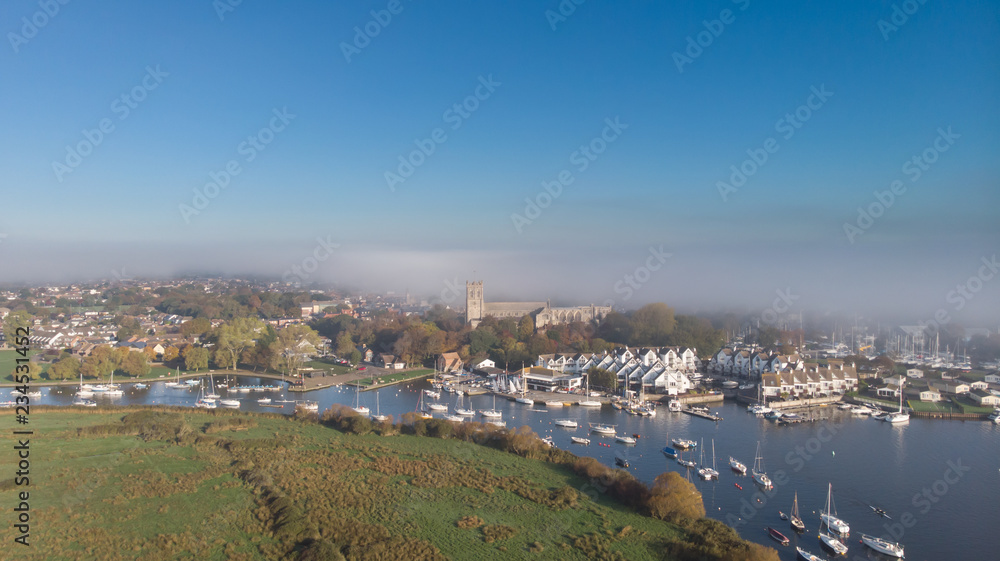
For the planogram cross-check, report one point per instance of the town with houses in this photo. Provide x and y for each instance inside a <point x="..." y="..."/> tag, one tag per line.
<point x="73" y="320"/>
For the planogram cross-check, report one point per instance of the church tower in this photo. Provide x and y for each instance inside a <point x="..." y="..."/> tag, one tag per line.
<point x="474" y="302"/>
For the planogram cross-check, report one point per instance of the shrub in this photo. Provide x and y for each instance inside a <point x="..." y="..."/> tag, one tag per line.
<point x="470" y="522"/>
<point x="496" y="532"/>
<point x="674" y="498"/>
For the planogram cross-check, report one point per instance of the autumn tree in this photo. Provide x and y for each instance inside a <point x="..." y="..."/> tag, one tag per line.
<point x="196" y="326"/>
<point x="100" y="363"/>
<point x="171" y="353"/>
<point x="674" y="498"/>
<point x="293" y="345"/>
<point x="525" y="328"/>
<point x="150" y="352"/>
<point x="31" y="369"/>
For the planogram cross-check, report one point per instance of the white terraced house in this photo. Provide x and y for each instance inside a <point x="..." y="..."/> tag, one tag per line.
<point x="662" y="370"/>
<point x="814" y="380"/>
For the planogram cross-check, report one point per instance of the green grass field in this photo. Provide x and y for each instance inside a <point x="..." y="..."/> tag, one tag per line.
<point x="931" y="407"/>
<point x="968" y="406"/>
<point x="322" y="364"/>
<point x="188" y="489"/>
<point x="396" y="377"/>
<point x="8" y="360"/>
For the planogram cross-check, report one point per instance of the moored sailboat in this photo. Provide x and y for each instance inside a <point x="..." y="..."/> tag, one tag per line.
<point x="827" y="520"/>
<point x="705" y="472"/>
<point x="794" y="520"/>
<point x="883" y="546"/>
<point x="759" y="475"/>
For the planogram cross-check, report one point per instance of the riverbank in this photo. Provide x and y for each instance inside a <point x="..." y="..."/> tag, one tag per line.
<point x="169" y="492"/>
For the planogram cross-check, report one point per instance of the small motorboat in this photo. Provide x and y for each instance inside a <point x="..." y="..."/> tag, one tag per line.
<point x="566" y="423"/>
<point x="264" y="400"/>
<point x="686" y="463"/>
<point x="778" y="536"/>
<point x="669" y="452"/>
<point x="782" y="515"/>
<point x="608" y="430"/>
<point x="625" y="439"/>
<point x="621" y="461"/>
<point x="578" y="440"/>
<point x="737" y="466"/>
<point x="683" y="444"/>
<point x="549" y="442"/>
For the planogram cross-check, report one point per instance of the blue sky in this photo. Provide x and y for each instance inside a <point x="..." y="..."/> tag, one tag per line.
<point x="656" y="183"/>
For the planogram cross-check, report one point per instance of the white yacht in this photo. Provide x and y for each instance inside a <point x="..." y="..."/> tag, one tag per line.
<point x="885" y="547"/>
<point x="759" y="476"/>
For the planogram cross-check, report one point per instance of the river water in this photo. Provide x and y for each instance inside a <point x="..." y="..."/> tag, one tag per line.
<point x="938" y="480"/>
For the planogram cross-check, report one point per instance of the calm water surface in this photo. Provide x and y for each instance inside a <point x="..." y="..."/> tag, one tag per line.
<point x="940" y="478"/>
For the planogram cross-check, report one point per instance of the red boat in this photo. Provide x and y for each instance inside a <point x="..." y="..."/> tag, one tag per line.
<point x="778" y="536"/>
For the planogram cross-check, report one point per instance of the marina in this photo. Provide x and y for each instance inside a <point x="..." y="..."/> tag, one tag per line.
<point x="860" y="457"/>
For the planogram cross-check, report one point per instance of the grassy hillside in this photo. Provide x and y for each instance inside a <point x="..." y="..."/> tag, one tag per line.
<point x="187" y="484"/>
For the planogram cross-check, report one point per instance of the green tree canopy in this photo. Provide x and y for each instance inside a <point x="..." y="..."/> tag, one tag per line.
<point x="15" y="320"/>
<point x="195" y="358"/>
<point x="602" y="378"/>
<point x="66" y="368"/>
<point x="234" y="336"/>
<point x="653" y="324"/>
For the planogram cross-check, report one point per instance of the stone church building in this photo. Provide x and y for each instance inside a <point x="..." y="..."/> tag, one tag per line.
<point x="476" y="308"/>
